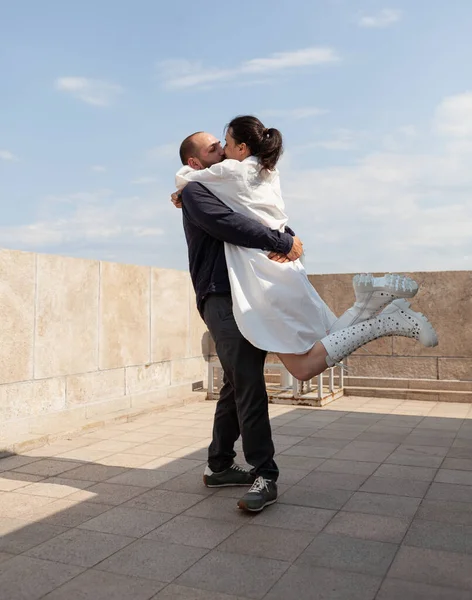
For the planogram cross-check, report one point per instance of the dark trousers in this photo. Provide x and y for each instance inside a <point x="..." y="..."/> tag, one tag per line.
<point x="243" y="406"/>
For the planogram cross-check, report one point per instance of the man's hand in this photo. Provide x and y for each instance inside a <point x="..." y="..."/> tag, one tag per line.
<point x="297" y="249"/>
<point x="176" y="200"/>
<point x="295" y="252"/>
<point x="281" y="258"/>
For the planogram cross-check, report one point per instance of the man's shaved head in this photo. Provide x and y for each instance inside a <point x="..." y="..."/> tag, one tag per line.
<point x="189" y="147"/>
<point x="201" y="150"/>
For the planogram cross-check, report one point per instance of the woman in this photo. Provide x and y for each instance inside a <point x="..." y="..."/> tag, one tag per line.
<point x="275" y="306"/>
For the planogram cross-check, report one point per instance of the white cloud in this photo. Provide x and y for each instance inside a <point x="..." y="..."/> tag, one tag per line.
<point x="8" y="156"/>
<point x="295" y="113"/>
<point x="336" y="145"/>
<point x="98" y="168"/>
<point x="98" y="224"/>
<point x="399" y="210"/>
<point x="395" y="210"/>
<point x="144" y="180"/>
<point x="290" y="60"/>
<point x="178" y="74"/>
<point x="454" y="116"/>
<point x="163" y="152"/>
<point x="92" y="91"/>
<point x="343" y="139"/>
<point x="408" y="130"/>
<point x="183" y="73"/>
<point x="384" y="18"/>
<point x="399" y="139"/>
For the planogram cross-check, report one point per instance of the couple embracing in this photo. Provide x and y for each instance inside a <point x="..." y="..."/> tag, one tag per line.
<point x="254" y="295"/>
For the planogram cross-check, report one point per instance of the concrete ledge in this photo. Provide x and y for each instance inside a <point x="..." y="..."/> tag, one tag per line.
<point x="39" y="431"/>
<point x="450" y="385"/>
<point x="305" y="400"/>
<point x="425" y="395"/>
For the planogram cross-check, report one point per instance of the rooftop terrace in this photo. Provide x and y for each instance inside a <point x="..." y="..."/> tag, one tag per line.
<point x="103" y="434"/>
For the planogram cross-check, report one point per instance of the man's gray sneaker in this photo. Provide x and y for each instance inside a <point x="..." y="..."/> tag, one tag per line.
<point x="262" y="493"/>
<point x="234" y="475"/>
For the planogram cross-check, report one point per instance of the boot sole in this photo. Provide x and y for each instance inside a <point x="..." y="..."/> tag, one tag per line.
<point x="388" y="284"/>
<point x="243" y="506"/>
<point x="428" y="336"/>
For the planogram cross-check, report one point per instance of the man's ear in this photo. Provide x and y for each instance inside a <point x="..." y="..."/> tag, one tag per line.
<point x="194" y="163"/>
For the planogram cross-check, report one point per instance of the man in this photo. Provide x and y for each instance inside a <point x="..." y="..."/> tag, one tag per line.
<point x="242" y="408"/>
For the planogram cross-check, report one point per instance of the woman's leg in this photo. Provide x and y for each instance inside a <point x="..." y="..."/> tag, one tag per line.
<point x="396" y="319"/>
<point x="306" y="366"/>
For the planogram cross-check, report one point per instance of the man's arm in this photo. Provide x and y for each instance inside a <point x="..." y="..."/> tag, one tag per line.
<point x="290" y="231"/>
<point x="206" y="211"/>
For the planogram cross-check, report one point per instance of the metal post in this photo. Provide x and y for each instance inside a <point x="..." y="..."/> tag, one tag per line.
<point x="341" y="377"/>
<point x="286" y="379"/>
<point x="301" y="388"/>
<point x="331" y="380"/>
<point x="320" y="385"/>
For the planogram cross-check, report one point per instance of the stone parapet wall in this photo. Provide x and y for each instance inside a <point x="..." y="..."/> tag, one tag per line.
<point x="85" y="337"/>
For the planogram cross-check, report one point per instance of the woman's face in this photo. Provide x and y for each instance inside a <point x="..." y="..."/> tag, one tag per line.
<point x="234" y="150"/>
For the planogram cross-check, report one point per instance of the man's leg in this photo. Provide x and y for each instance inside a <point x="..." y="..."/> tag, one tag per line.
<point x="225" y="430"/>
<point x="221" y="470"/>
<point x="243" y="365"/>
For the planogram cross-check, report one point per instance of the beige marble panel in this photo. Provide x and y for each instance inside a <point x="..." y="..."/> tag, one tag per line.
<point x="66" y="340"/>
<point x="17" y="290"/>
<point x="147" y="377"/>
<point x="124" y="315"/>
<point x="445" y="298"/>
<point x="389" y="366"/>
<point x="30" y="398"/>
<point x="336" y="290"/>
<point x="415" y="368"/>
<point x="200" y="340"/>
<point x="370" y="366"/>
<point x="93" y="387"/>
<point x="189" y="369"/>
<point x="170" y="315"/>
<point x="455" y="368"/>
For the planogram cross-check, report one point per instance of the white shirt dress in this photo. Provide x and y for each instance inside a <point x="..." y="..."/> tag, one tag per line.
<point x="275" y="306"/>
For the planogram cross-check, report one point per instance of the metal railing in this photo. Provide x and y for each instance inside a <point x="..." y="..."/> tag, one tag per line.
<point x="285" y="383"/>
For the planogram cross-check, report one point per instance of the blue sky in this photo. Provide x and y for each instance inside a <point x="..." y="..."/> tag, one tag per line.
<point x="374" y="100"/>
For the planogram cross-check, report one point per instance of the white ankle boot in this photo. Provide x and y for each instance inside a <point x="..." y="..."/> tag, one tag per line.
<point x="372" y="295"/>
<point x="396" y="319"/>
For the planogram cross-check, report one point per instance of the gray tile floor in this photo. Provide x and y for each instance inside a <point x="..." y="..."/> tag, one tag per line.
<point x="375" y="503"/>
